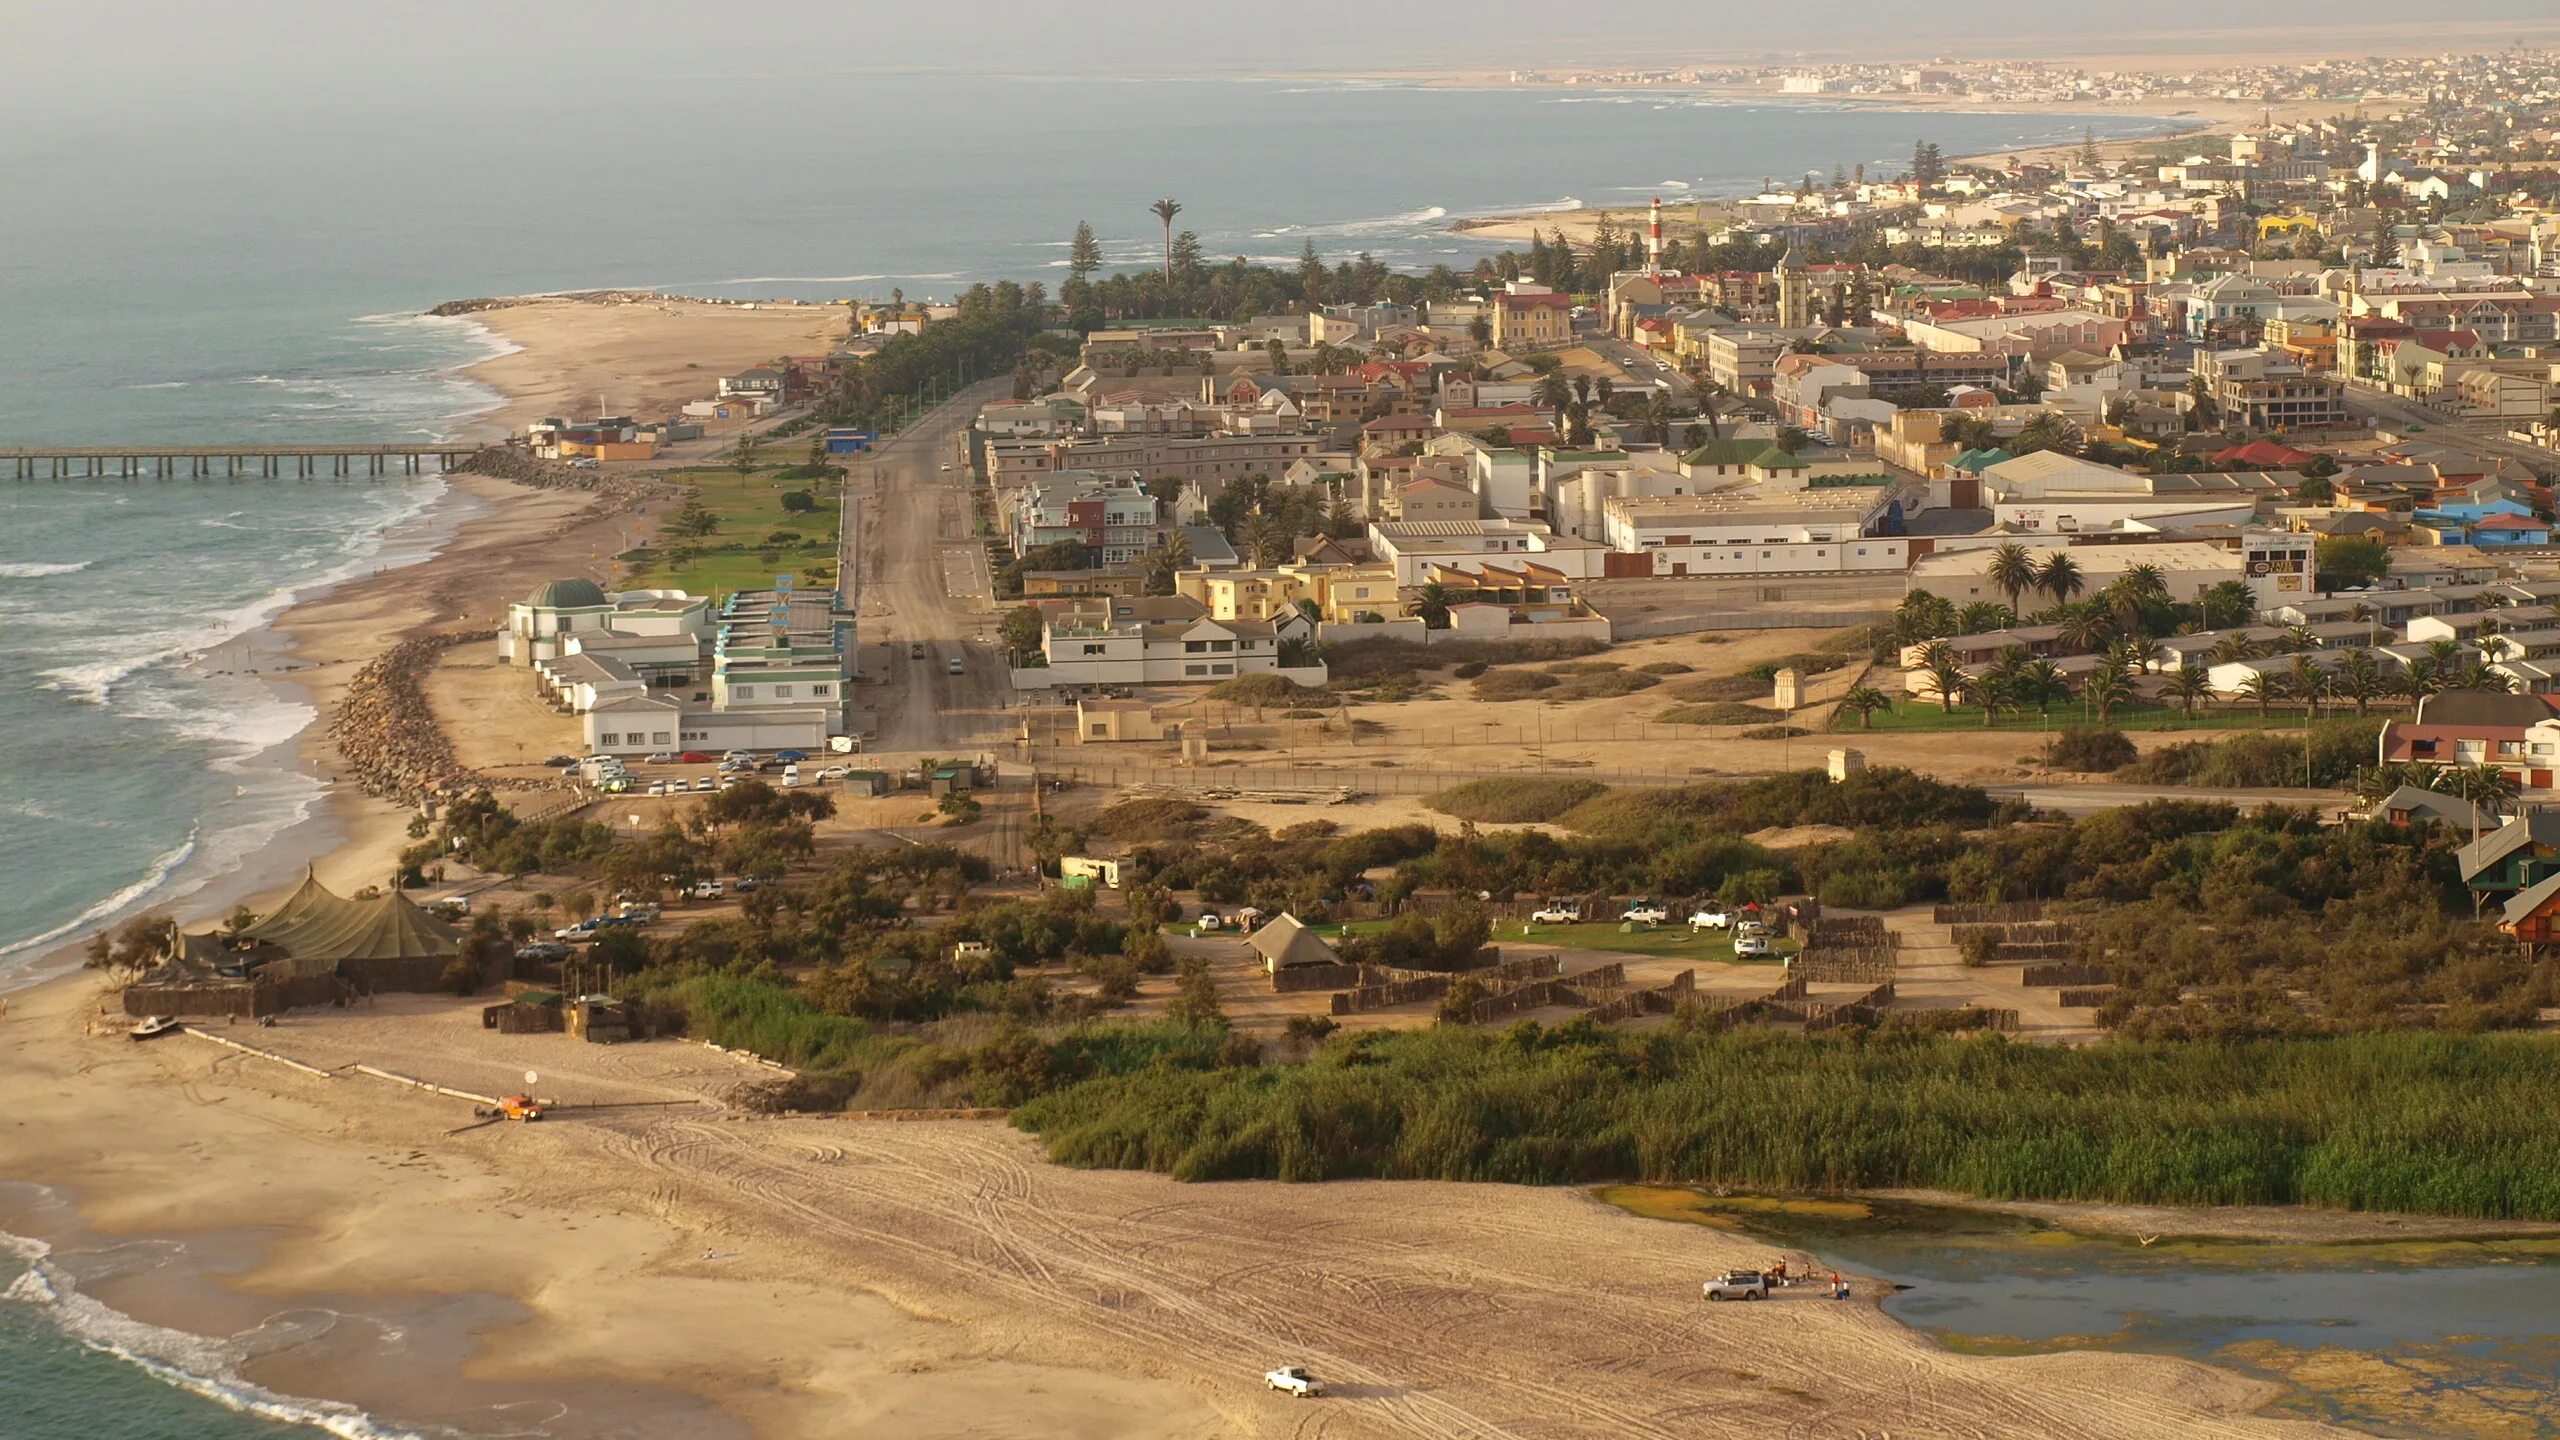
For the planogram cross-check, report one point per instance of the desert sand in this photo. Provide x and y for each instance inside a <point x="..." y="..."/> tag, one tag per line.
<point x="842" y="1277"/>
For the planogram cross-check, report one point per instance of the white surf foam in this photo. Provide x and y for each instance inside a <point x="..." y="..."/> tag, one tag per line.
<point x="1375" y="225"/>
<point x="152" y="879"/>
<point x="193" y="1363"/>
<point x="37" y="570"/>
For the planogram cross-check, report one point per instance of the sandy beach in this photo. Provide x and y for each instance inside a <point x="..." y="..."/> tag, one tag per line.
<point x="840" y="1277"/>
<point x="578" y="358"/>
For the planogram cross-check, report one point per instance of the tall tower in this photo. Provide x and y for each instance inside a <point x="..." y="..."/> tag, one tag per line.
<point x="1653" y="241"/>
<point x="1795" y="291"/>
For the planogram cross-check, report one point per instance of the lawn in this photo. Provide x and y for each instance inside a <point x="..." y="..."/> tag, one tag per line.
<point x="738" y="553"/>
<point x="1914" y="715"/>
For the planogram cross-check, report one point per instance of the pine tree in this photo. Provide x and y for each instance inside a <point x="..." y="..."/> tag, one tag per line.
<point x="1084" y="253"/>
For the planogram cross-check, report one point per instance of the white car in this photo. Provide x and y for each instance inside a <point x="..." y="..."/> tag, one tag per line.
<point x="1646" y="912"/>
<point x="1210" y="920"/>
<point x="1750" y="947"/>
<point x="707" y="890"/>
<point x="659" y="787"/>
<point x="1746" y="929"/>
<point x="705" y="782"/>
<point x="1738" y="1285"/>
<point x="1557" y="912"/>
<point x="1295" y="1380"/>
<point x="834" y="773"/>
<point x="1711" y="917"/>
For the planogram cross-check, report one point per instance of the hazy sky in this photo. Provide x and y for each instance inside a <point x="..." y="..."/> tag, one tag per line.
<point x="159" y="54"/>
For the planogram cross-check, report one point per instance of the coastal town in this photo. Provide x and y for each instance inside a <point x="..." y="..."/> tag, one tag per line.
<point x="2024" y="686"/>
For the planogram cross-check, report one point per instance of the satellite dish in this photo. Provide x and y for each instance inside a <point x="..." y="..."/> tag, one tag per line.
<point x="531" y="1078"/>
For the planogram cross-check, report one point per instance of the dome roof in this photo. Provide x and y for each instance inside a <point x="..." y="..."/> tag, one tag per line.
<point x="567" y="595"/>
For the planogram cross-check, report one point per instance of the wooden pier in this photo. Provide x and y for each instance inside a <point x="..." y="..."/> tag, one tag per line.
<point x="215" y="462"/>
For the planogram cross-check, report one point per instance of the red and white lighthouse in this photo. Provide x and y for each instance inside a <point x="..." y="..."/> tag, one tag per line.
<point x="1653" y="241"/>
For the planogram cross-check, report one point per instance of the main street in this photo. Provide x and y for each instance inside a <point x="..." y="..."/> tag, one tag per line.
<point x="924" y="580"/>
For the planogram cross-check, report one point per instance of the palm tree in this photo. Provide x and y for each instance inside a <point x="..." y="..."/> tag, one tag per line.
<point x="2187" y="685"/>
<point x="2359" y="679"/>
<point x="1983" y="616"/>
<point x="2232" y="648"/>
<point x="2136" y="654"/>
<point x="1164" y="211"/>
<point x="2487" y="786"/>
<point x="2258" y="688"/>
<point x="2040" y="683"/>
<point x="2224" y="604"/>
<point x="1864" y="702"/>
<point x="2106" y="688"/>
<point x="2478" y="675"/>
<point x="2308" y="684"/>
<point x="2059" y="576"/>
<point x="1938" y="661"/>
<point x="1988" y="690"/>
<point x="1167" y="560"/>
<point x="2298" y="639"/>
<point x="2084" y="627"/>
<point x="1554" y="392"/>
<point x="1432" y="604"/>
<point x="2013" y="570"/>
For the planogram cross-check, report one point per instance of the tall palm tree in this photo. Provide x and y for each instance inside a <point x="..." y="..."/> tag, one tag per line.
<point x="2084" y="627"/>
<point x="1432" y="604"/>
<point x="1988" y="690"/>
<point x="2478" y="675"/>
<point x="2259" y="688"/>
<point x="2059" y="576"/>
<point x="2232" y="648"/>
<point x="2013" y="570"/>
<point x="1164" y="211"/>
<point x="2297" y="639"/>
<point x="2225" y="603"/>
<point x="2487" y="786"/>
<point x="1554" y="392"/>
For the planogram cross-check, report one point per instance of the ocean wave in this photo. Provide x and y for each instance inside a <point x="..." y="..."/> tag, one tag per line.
<point x="156" y="385"/>
<point x="37" y="570"/>
<point x="200" y="1366"/>
<point x="1375" y="225"/>
<point x="812" y="280"/>
<point x="152" y="879"/>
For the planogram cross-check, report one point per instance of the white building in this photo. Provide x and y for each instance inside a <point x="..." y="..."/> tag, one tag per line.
<point x="1412" y="547"/>
<point x="2053" y="492"/>
<point x="1752" y="531"/>
<point x="1159" y="640"/>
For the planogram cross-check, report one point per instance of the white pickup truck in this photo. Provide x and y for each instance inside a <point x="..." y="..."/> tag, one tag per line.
<point x="1558" y="912"/>
<point x="1295" y="1380"/>
<point x="1647" y="912"/>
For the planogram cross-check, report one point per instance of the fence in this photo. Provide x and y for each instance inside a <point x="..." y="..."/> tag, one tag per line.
<point x="1844" y="965"/>
<point x="1659" y="1000"/>
<point x="2006" y="912"/>
<point x="1696" y="621"/>
<point x="1564" y="990"/>
<point x="2064" y="975"/>
<point x="2033" y="950"/>
<point x="2085" y="995"/>
<point x="1850" y="930"/>
<point x="1403" y="987"/>
<point x="1861" y="1010"/>
<point x="1293" y="979"/>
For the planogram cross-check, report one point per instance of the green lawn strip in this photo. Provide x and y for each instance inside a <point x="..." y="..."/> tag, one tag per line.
<point x="735" y="556"/>
<point x="1921" y="717"/>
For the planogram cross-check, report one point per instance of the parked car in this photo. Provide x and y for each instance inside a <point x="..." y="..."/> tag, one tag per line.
<point x="790" y="757"/>
<point x="1750" y="947"/>
<point x="1711" y="916"/>
<point x="955" y="667"/>
<point x="1210" y="920"/>
<point x="707" y="890"/>
<point x="834" y="773"/>
<point x="663" y="757"/>
<point x="749" y="882"/>
<point x="695" y="757"/>
<point x="705" y="782"/>
<point x="1746" y="928"/>
<point x="632" y="912"/>
<point x="1557" y="912"/>
<point x="1738" y="1285"/>
<point x="1295" y="1380"/>
<point x="790" y="776"/>
<point x="615" y="784"/>
<point x="562" y="762"/>
<point x="579" y="931"/>
<point x="915" y="649"/>
<point x="1646" y="912"/>
<point x="543" y="952"/>
<point x="659" y="787"/>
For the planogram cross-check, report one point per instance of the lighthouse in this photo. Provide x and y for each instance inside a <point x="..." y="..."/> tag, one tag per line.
<point x="1653" y="242"/>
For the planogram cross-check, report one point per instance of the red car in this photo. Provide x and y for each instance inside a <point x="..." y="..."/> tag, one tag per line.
<point x="695" y="757"/>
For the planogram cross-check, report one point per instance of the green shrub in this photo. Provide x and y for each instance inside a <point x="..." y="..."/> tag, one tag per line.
<point x="1666" y="667"/>
<point x="1509" y="801"/>
<point x="1264" y="689"/>
<point x="1775" y="732"/>
<point x="1133" y="821"/>
<point x="1470" y="669"/>
<point x="1606" y="685"/>
<point x="2091" y="752"/>
<point x="2260" y="761"/>
<point x="1513" y="684"/>
<point x="1722" y="687"/>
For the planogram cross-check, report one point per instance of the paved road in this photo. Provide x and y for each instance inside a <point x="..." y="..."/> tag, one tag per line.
<point x="925" y="579"/>
<point x="2483" y="438"/>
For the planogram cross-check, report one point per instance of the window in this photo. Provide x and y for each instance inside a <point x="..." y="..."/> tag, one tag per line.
<point x="1222" y="668"/>
<point x="1195" y="647"/>
<point x="742" y="692"/>
<point x="781" y="692"/>
<point x="1222" y="646"/>
<point x="822" y="689"/>
<point x="1195" y="669"/>
<point x="657" y="737"/>
<point x="608" y="738"/>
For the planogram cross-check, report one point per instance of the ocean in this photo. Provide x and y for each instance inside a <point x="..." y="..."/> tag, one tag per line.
<point x="258" y="275"/>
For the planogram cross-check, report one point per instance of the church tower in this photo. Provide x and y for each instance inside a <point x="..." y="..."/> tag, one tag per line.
<point x="1795" y="291"/>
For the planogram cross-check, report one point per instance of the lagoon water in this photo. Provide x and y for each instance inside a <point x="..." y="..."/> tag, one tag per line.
<point x="256" y="273"/>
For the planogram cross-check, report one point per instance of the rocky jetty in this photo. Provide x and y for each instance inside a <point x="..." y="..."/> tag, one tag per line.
<point x="387" y="738"/>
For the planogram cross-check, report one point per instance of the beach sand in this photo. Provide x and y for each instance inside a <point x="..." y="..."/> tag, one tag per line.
<point x="851" y="1278"/>
<point x="579" y="358"/>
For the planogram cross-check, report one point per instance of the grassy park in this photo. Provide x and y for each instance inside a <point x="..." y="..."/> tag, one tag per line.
<point x="727" y="533"/>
